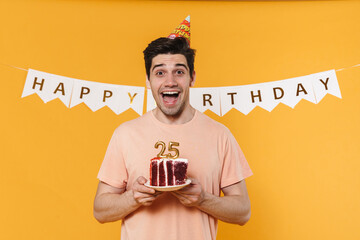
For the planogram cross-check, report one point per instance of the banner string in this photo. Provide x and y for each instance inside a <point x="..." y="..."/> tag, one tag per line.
<point x="13" y="66"/>
<point x="357" y="65"/>
<point x="337" y="70"/>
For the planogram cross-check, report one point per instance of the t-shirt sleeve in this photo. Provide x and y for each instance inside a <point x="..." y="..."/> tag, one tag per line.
<point x="235" y="167"/>
<point x="113" y="169"/>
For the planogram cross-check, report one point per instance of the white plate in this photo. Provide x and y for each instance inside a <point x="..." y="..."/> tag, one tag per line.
<point x="169" y="188"/>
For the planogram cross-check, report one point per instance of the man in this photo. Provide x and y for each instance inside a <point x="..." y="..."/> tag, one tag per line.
<point x="216" y="162"/>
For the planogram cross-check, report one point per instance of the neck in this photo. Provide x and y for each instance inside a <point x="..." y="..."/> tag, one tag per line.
<point x="185" y="116"/>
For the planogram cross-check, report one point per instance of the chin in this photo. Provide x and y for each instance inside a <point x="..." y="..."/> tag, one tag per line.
<point x="173" y="112"/>
<point x="170" y="112"/>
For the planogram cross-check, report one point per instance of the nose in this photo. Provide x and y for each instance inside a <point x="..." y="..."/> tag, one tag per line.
<point x="171" y="81"/>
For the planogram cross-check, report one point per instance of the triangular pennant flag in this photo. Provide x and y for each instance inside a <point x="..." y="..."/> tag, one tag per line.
<point x="48" y="86"/>
<point x="150" y="101"/>
<point x="203" y="99"/>
<point x="324" y="83"/>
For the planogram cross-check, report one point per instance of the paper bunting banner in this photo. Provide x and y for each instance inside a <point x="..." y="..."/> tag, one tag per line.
<point x="48" y="86"/>
<point x="74" y="91"/>
<point x="235" y="97"/>
<point x="289" y="92"/>
<point x="95" y="95"/>
<point x="118" y="98"/>
<point x="219" y="100"/>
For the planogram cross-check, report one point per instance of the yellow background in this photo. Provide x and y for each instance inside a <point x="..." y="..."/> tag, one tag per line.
<point x="305" y="160"/>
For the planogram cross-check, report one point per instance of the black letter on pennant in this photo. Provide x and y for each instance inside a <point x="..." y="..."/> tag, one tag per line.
<point x="107" y="96"/>
<point x="82" y="91"/>
<point x="60" y="88"/>
<point x="281" y="90"/>
<point x="325" y="83"/>
<point x="254" y="96"/>
<point x="41" y="84"/>
<point x="302" y="89"/>
<point x="132" y="97"/>
<point x="232" y="97"/>
<point x="207" y="98"/>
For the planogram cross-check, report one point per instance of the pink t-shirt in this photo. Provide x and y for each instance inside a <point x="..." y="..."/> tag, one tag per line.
<point x="215" y="160"/>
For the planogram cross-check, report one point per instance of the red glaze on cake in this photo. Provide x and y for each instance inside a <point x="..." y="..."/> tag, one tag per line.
<point x="167" y="172"/>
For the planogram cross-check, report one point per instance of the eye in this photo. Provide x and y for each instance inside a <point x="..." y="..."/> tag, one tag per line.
<point x="159" y="73"/>
<point x="180" y="72"/>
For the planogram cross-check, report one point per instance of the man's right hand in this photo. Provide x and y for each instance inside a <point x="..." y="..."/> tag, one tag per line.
<point x="112" y="204"/>
<point x="143" y="195"/>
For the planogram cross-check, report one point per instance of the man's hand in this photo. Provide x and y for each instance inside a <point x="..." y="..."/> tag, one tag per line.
<point x="112" y="204"/>
<point x="233" y="207"/>
<point x="143" y="195"/>
<point x="191" y="195"/>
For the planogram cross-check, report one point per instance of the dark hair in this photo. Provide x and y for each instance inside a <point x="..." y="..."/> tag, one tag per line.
<point x="164" y="45"/>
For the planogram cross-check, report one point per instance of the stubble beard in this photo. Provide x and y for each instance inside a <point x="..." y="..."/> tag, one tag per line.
<point x="172" y="112"/>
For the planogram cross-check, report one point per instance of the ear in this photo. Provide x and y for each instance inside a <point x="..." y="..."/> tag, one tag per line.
<point x="147" y="83"/>
<point x="192" y="82"/>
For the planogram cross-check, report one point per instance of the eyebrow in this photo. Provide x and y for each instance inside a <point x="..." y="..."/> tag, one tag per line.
<point x="157" y="65"/>
<point x="177" y="65"/>
<point x="181" y="65"/>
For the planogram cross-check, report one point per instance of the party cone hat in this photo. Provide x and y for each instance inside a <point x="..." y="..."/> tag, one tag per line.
<point x="183" y="30"/>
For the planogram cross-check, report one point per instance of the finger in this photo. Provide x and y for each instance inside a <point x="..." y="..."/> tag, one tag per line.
<point x="193" y="180"/>
<point x="157" y="193"/>
<point x="147" y="203"/>
<point x="141" y="180"/>
<point x="183" y="200"/>
<point x="143" y="195"/>
<point x="141" y="198"/>
<point x="179" y="195"/>
<point x="187" y="198"/>
<point x="184" y="189"/>
<point x="142" y="188"/>
<point x="187" y="190"/>
<point x="146" y="199"/>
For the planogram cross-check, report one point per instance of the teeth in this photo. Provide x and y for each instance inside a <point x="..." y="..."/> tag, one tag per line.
<point x="170" y="93"/>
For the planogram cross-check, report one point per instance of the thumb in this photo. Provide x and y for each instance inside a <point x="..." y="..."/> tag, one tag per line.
<point x="141" y="180"/>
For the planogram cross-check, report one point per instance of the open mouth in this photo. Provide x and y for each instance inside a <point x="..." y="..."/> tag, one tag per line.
<point x="170" y="97"/>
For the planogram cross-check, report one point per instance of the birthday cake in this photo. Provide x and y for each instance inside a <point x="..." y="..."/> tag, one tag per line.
<point x="168" y="172"/>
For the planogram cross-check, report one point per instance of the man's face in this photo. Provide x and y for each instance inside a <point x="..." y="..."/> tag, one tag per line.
<point x="169" y="81"/>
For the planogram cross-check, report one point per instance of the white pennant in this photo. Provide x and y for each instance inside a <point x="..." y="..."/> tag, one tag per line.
<point x="268" y="95"/>
<point x="96" y="95"/>
<point x="324" y="83"/>
<point x="117" y="97"/>
<point x="235" y="97"/>
<point x="48" y="86"/>
<point x="203" y="99"/>
<point x="150" y="101"/>
<point x="297" y="89"/>
<point x="134" y="98"/>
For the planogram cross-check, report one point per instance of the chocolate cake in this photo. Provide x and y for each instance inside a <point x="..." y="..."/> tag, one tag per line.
<point x="168" y="172"/>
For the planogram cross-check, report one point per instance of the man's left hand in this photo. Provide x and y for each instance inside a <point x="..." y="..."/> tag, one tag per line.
<point x="191" y="195"/>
